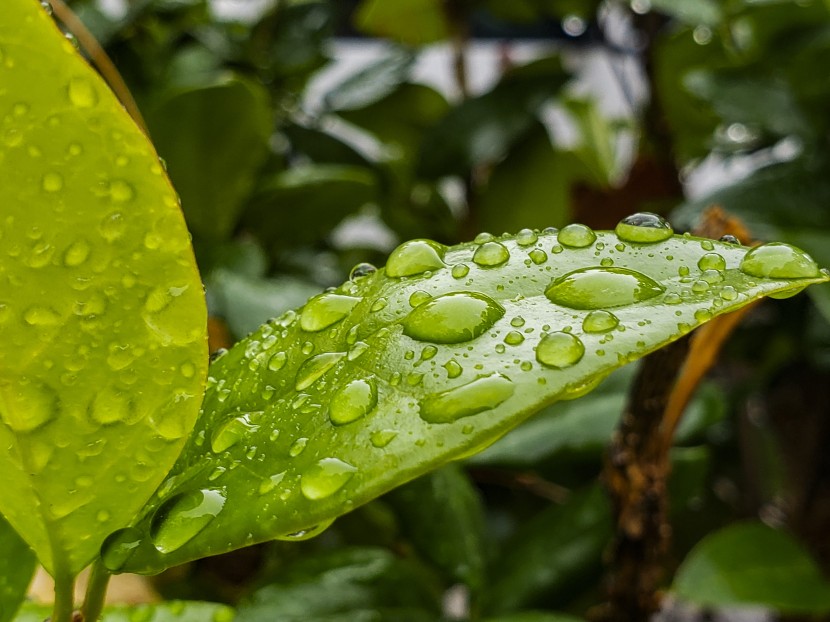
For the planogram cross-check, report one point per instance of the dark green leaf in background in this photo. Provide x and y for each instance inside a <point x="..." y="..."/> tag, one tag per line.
<point x="17" y="565"/>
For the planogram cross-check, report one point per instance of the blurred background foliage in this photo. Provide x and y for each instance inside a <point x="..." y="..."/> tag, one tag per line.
<point x="306" y="136"/>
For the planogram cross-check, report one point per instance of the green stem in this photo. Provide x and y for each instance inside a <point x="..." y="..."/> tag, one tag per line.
<point x="64" y="598"/>
<point x="95" y="592"/>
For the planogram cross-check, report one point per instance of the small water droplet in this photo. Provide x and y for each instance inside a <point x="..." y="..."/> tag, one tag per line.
<point x="326" y="310"/>
<point x="559" y="350"/>
<point x="644" y="228"/>
<point x="41" y="316"/>
<point x="730" y="239"/>
<point x="460" y="270"/>
<point x="483" y="238"/>
<point x="517" y="322"/>
<point x="119" y="546"/>
<point x="454" y="370"/>
<point x="183" y="516"/>
<point x="576" y="236"/>
<point x="728" y="293"/>
<point x="270" y="483"/>
<point x="379" y="304"/>
<point x="514" y="338"/>
<point x="703" y="315"/>
<point x="361" y="270"/>
<point x="297" y="447"/>
<point x="277" y="361"/>
<point x="707" y="245"/>
<point x="314" y="368"/>
<point x="415" y="257"/>
<point x="418" y="298"/>
<point x="711" y="276"/>
<point x="672" y="298"/>
<point x="491" y="254"/>
<point x="526" y="237"/>
<point x="538" y="256"/>
<point x="353" y="401"/>
<point x="112" y="226"/>
<point x="233" y="431"/>
<point x="453" y="318"/>
<point x="595" y="288"/>
<point x="27" y="405"/>
<point x="325" y="478"/>
<point x="428" y="352"/>
<point x="777" y="260"/>
<point x="81" y="93"/>
<point x="381" y="438"/>
<point x="606" y="262"/>
<point x="76" y="254"/>
<point x="600" y="321"/>
<point x="700" y="286"/>
<point x="711" y="261"/>
<point x="482" y="394"/>
<point x="52" y="182"/>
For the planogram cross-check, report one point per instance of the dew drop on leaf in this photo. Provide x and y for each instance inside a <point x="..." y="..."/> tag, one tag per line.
<point x="559" y="350"/>
<point x="491" y="254"/>
<point x="454" y="370"/>
<point x="711" y="261"/>
<point x="483" y="238"/>
<point x="81" y="93"/>
<point x="482" y="394"/>
<point x="452" y="318"/>
<point x="76" y="254"/>
<point x="325" y="310"/>
<point x="325" y="478"/>
<point x="526" y="237"/>
<point x="644" y="228"/>
<point x="777" y="260"/>
<point x="26" y="405"/>
<point x="119" y="547"/>
<point x="52" y="182"/>
<point x="41" y="316"/>
<point x="381" y="438"/>
<point x="307" y="533"/>
<point x="361" y="270"/>
<point x="181" y="517"/>
<point x="111" y="405"/>
<point x="277" y="361"/>
<point x="513" y="338"/>
<point x="576" y="236"/>
<point x="231" y="432"/>
<point x="312" y="369"/>
<point x="459" y="271"/>
<point x="418" y="297"/>
<point x="596" y="288"/>
<point x="297" y="447"/>
<point x="353" y="401"/>
<point x="415" y="257"/>
<point x="538" y="256"/>
<point x="599" y="321"/>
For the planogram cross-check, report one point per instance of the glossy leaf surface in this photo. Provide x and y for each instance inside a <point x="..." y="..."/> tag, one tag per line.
<point x="752" y="564"/>
<point x="401" y="370"/>
<point x="173" y="611"/>
<point x="17" y="565"/>
<point x="102" y="316"/>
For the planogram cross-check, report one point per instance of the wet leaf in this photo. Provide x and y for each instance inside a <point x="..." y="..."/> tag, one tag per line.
<point x="413" y="22"/>
<point x="172" y="611"/>
<point x="102" y="316"/>
<point x="430" y="359"/>
<point x="17" y="565"/>
<point x="752" y="564"/>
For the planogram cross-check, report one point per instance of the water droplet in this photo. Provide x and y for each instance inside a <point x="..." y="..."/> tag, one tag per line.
<point x="700" y="286"/>
<point x="325" y="478"/>
<point x="418" y="298"/>
<point x="112" y="226"/>
<point x="361" y="270"/>
<point x="297" y="447"/>
<point x="707" y="245"/>
<point x="576" y="236"/>
<point x="491" y="254"/>
<point x="326" y="310"/>
<point x="711" y="261"/>
<point x="777" y="260"/>
<point x="452" y="318"/>
<point x="81" y="93"/>
<point x="277" y="361"/>
<point x="52" y="182"/>
<point x="711" y="276"/>
<point x="233" y="431"/>
<point x="120" y="191"/>
<point x="428" y="352"/>
<point x="415" y="257"/>
<point x="119" y="546"/>
<point x="183" y="516"/>
<point x="379" y="304"/>
<point x="526" y="237"/>
<point x="270" y="483"/>
<point x="538" y="256"/>
<point x="595" y="288"/>
<point x="41" y="316"/>
<point x="353" y="401"/>
<point x="165" y="312"/>
<point x="644" y="228"/>
<point x="382" y="438"/>
<point x="27" y="405"/>
<point x="483" y="238"/>
<point x="559" y="350"/>
<point x="311" y="370"/>
<point x="600" y="321"/>
<point x="514" y="338"/>
<point x="606" y="262"/>
<point x="482" y="394"/>
<point x="40" y="255"/>
<point x="76" y="254"/>
<point x="460" y="270"/>
<point x="517" y="322"/>
<point x="728" y="293"/>
<point x="454" y="370"/>
<point x="672" y="298"/>
<point x="111" y="405"/>
<point x="703" y="315"/>
<point x="730" y="239"/>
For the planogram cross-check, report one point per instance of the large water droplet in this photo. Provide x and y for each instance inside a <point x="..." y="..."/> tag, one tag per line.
<point x="119" y="546"/>
<point x="526" y="237"/>
<point x="326" y="310"/>
<point x="711" y="261"/>
<point x="415" y="257"/>
<point x="559" y="350"/>
<point x="777" y="260"/>
<point x="538" y="256"/>
<point x="361" y="270"/>
<point x="491" y="254"/>
<point x="111" y="405"/>
<point x="233" y="431"/>
<point x="325" y="478"/>
<point x="453" y="318"/>
<point x="315" y="367"/>
<point x="596" y="288"/>
<point x="599" y="321"/>
<point x="484" y="393"/>
<point x="26" y="405"/>
<point x="644" y="228"/>
<point x="576" y="236"/>
<point x="183" y="516"/>
<point x="353" y="401"/>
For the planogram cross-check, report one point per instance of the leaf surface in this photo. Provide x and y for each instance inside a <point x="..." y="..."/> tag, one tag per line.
<point x="17" y="565"/>
<point x="102" y="315"/>
<point x="172" y="611"/>
<point x="433" y="358"/>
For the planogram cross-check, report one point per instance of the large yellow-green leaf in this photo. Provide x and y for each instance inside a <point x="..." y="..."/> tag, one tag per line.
<point x="102" y="316"/>
<point x="436" y="356"/>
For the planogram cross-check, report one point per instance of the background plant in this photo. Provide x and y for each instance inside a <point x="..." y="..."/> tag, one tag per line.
<point x="709" y="66"/>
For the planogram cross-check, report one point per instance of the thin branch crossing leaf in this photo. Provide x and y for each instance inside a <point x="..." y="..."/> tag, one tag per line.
<point x="436" y="356"/>
<point x="102" y="315"/>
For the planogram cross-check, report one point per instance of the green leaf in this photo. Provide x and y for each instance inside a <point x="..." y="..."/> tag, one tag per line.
<point x="442" y="515"/>
<point x="214" y="138"/>
<point x="346" y="585"/>
<point x="694" y="12"/>
<point x="172" y="611"/>
<point x="102" y="317"/>
<point x="399" y="371"/>
<point x="413" y="22"/>
<point x="752" y="564"/>
<point x="372" y="83"/>
<point x="554" y="554"/>
<point x="17" y="565"/>
<point x="535" y="616"/>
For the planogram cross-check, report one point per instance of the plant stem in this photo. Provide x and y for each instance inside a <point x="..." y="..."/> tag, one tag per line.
<point x="64" y="605"/>
<point x="96" y="590"/>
